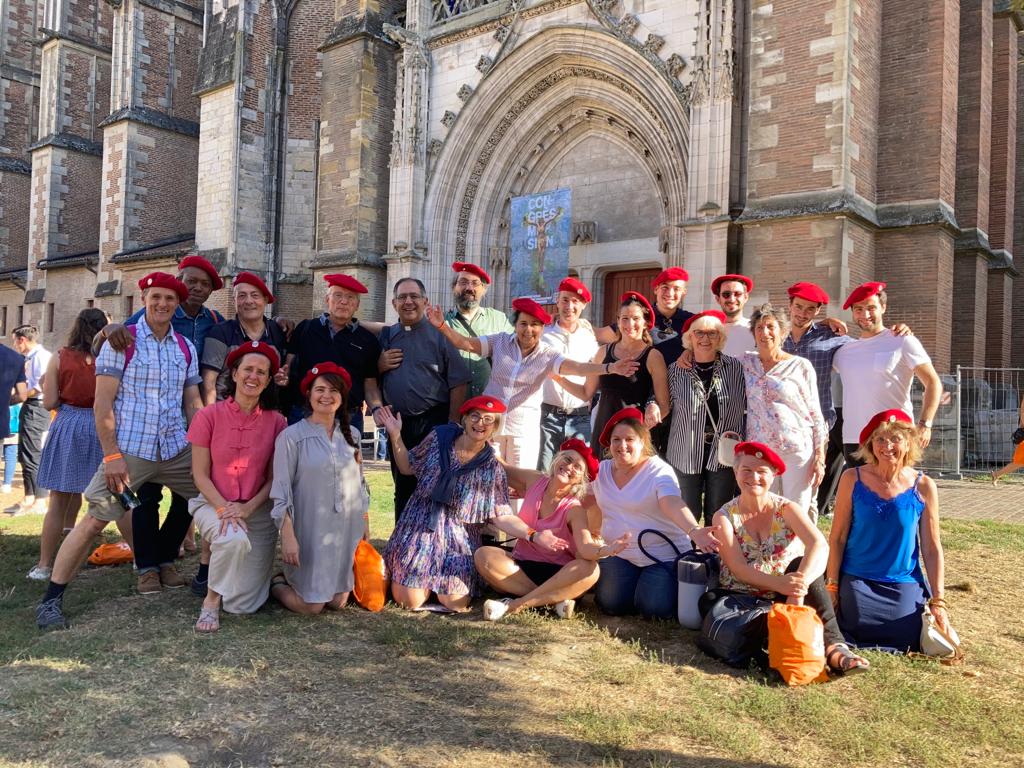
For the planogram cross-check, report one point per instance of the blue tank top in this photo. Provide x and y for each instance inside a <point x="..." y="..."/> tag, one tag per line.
<point x="883" y="543"/>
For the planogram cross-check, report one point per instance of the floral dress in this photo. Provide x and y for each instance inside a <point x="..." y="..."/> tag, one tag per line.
<point x="771" y="556"/>
<point x="441" y="559"/>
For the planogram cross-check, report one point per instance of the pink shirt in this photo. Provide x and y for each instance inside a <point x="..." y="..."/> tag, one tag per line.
<point x="241" y="446"/>
<point x="558" y="523"/>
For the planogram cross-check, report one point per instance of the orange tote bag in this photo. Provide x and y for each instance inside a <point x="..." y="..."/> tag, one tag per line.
<point x="796" y="644"/>
<point x="371" y="589"/>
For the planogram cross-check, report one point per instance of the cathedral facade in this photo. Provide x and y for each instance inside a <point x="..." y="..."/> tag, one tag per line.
<point x="835" y="141"/>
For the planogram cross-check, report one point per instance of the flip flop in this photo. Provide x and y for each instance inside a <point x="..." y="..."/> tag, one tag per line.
<point x="209" y="617"/>
<point x="849" y="662"/>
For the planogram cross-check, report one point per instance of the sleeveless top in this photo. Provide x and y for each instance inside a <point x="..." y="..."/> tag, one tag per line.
<point x="76" y="378"/>
<point x="771" y="556"/>
<point x="557" y="523"/>
<point x="618" y="392"/>
<point x="883" y="544"/>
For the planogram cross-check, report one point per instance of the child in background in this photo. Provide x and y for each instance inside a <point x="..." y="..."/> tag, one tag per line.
<point x="11" y="449"/>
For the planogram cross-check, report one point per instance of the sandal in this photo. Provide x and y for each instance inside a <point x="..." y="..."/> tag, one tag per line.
<point x="278" y="580"/>
<point x="208" y="622"/>
<point x="848" y="662"/>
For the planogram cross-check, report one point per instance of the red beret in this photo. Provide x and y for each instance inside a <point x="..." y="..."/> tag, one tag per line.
<point x="473" y="269"/>
<point x="667" y="275"/>
<point x="197" y="261"/>
<point x="763" y="452"/>
<point x="164" y="280"/>
<point x="625" y="413"/>
<point x="347" y="282"/>
<point x="863" y="291"/>
<point x="572" y="285"/>
<point x="575" y="444"/>
<point x="482" y="403"/>
<point x="731" y="278"/>
<point x="808" y="292"/>
<point x="719" y="316"/>
<point x="531" y="307"/>
<point x="319" y="370"/>
<point x="251" y="279"/>
<point x="890" y="416"/>
<point x="632" y="296"/>
<point x="255" y="348"/>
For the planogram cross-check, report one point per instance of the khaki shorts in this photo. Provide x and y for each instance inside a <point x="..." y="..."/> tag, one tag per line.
<point x="175" y="473"/>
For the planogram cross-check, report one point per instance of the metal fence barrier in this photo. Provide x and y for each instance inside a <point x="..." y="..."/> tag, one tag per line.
<point x="980" y="409"/>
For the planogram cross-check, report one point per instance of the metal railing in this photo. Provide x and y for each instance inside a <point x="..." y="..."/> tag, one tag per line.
<point x="443" y="10"/>
<point x="980" y="409"/>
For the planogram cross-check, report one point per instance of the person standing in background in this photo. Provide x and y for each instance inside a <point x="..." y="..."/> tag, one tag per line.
<point x="35" y="419"/>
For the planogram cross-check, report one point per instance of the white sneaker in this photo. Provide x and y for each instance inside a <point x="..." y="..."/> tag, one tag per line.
<point x="38" y="573"/>
<point x="495" y="609"/>
<point x="5" y="489"/>
<point x="565" y="609"/>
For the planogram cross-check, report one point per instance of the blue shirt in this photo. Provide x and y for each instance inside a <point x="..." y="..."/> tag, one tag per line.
<point x="148" y="411"/>
<point x="819" y="345"/>
<point x="12" y="372"/>
<point x="192" y="328"/>
<point x="883" y="544"/>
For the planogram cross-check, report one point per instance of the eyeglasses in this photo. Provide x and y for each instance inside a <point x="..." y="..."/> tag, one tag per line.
<point x="732" y="294"/>
<point x="485" y="419"/>
<point x="705" y="334"/>
<point x="403" y="297"/>
<point x="462" y="283"/>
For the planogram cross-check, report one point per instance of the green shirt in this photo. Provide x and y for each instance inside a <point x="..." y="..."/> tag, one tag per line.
<point x="486" y="321"/>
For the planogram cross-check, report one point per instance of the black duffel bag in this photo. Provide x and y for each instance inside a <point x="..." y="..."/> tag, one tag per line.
<point x="735" y="630"/>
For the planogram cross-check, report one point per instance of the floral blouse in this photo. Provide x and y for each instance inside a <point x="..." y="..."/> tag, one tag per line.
<point x="782" y="405"/>
<point x="771" y="556"/>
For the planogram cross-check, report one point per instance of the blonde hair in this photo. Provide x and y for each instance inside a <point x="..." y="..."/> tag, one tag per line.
<point x="642" y="432"/>
<point x="705" y="323"/>
<point x="578" y="489"/>
<point x="909" y="432"/>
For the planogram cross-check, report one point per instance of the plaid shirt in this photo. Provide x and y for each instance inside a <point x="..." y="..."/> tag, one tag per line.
<point x="148" y="406"/>
<point x="819" y="344"/>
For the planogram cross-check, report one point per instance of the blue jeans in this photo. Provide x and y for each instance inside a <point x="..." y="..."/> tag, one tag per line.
<point x="555" y="428"/>
<point x="624" y="589"/>
<point x="10" y="461"/>
<point x="705" y="493"/>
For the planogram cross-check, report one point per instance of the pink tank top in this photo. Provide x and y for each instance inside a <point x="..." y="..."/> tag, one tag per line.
<point x="558" y="523"/>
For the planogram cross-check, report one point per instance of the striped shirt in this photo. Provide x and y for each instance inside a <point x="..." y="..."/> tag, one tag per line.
<point x="517" y="380"/>
<point x="148" y="406"/>
<point x="486" y="320"/>
<point x="687" y="450"/>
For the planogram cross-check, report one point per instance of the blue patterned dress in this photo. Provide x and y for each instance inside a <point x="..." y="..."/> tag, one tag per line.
<point x="442" y="560"/>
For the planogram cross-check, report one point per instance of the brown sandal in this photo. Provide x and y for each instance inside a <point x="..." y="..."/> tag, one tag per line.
<point x="848" y="662"/>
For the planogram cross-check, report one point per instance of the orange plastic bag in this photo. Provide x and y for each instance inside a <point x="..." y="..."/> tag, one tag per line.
<point x="796" y="644"/>
<point x="371" y="589"/>
<point x="111" y="554"/>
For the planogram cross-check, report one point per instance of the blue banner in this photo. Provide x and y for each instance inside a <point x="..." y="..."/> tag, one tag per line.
<point x="541" y="228"/>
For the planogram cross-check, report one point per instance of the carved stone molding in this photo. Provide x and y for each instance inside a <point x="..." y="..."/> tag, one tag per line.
<point x="464" y="92"/>
<point x="448" y="118"/>
<point x="584" y="232"/>
<point x="484" y="64"/>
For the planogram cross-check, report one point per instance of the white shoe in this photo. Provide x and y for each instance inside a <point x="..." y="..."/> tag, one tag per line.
<point x="565" y="609"/>
<point x="38" y="573"/>
<point x="5" y="489"/>
<point x="495" y="609"/>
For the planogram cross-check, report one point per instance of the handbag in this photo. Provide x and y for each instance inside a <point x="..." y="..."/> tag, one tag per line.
<point x="371" y="579"/>
<point x="935" y="642"/>
<point x="727" y="441"/>
<point x="695" y="573"/>
<point x="735" y="629"/>
<point x="1018" y="435"/>
<point x="796" y="644"/>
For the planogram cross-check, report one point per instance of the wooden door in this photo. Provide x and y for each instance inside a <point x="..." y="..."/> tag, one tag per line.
<point x="617" y="283"/>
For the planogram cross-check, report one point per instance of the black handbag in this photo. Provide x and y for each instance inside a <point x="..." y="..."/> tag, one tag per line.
<point x="735" y="630"/>
<point x="1018" y="435"/>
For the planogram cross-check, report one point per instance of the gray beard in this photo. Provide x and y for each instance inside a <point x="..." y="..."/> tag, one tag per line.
<point x="465" y="305"/>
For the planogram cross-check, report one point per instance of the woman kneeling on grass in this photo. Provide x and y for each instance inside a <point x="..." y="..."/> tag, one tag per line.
<point x="232" y="448"/>
<point x="771" y="549"/>
<point x="320" y="503"/>
<point x="460" y="485"/>
<point x="552" y="511"/>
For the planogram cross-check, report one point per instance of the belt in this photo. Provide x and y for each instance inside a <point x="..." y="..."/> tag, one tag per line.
<point x="583" y="410"/>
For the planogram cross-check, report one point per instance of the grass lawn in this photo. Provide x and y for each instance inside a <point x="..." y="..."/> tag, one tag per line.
<point x="131" y="684"/>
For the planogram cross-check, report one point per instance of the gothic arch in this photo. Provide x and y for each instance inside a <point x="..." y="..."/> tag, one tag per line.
<point x="566" y="82"/>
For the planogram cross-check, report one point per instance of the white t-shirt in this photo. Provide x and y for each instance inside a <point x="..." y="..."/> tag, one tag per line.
<point x="738" y="338"/>
<point x="580" y="346"/>
<point x="634" y="507"/>
<point x="877" y="374"/>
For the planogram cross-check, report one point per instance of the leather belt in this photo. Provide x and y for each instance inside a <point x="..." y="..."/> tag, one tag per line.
<point x="583" y="410"/>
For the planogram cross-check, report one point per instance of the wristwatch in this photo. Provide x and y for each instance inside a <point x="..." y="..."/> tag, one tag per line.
<point x="926" y="423"/>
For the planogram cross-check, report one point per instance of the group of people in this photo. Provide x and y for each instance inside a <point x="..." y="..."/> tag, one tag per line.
<point x="714" y="428"/>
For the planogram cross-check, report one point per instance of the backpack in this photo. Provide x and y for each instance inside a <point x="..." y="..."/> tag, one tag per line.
<point x="735" y="630"/>
<point x="129" y="352"/>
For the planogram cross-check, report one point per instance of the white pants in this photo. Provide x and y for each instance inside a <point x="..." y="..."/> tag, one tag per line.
<point x="796" y="483"/>
<point x="240" y="561"/>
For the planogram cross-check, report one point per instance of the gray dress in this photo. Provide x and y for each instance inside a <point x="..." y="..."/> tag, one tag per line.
<point x="321" y="484"/>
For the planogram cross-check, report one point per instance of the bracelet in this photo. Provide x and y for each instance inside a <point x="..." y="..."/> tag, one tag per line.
<point x="112" y="457"/>
<point x="832" y="588"/>
<point x="607" y="367"/>
<point x="529" y="534"/>
<point x="936" y="602"/>
<point x="829" y="582"/>
<point x="219" y="510"/>
<point x="375" y="409"/>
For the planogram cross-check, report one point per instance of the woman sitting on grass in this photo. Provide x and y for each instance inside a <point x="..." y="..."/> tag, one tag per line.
<point x="320" y="503"/>
<point x="771" y="549"/>
<point x="232" y="449"/>
<point x="636" y="490"/>
<point x="886" y="519"/>
<point x="535" y="572"/>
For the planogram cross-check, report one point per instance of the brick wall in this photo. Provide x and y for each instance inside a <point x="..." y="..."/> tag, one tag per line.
<point x="999" y="325"/>
<point x="1004" y="134"/>
<point x="970" y="275"/>
<point x="14" y="217"/>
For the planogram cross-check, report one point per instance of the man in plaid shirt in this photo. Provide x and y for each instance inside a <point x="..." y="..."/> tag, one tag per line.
<point x="145" y="396"/>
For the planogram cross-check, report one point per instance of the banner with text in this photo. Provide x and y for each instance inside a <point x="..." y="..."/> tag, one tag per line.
<point x="541" y="229"/>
